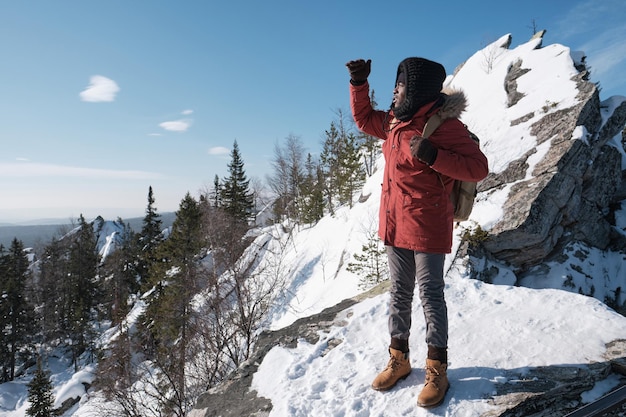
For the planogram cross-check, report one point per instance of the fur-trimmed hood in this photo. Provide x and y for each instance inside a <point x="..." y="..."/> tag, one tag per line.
<point x="454" y="104"/>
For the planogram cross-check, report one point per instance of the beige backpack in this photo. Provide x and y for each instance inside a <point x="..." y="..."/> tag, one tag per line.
<point x="463" y="192"/>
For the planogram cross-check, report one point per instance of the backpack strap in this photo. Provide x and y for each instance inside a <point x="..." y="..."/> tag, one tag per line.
<point x="432" y="124"/>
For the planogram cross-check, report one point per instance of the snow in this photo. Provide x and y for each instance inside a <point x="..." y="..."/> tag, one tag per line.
<point x="73" y="387"/>
<point x="495" y="329"/>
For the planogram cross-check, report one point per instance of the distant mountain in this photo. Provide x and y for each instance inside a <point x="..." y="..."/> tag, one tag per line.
<point x="36" y="234"/>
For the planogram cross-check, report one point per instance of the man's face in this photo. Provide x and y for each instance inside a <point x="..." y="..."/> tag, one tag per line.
<point x="399" y="94"/>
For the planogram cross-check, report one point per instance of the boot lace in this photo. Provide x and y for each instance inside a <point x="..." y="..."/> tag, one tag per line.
<point x="393" y="364"/>
<point x="432" y="376"/>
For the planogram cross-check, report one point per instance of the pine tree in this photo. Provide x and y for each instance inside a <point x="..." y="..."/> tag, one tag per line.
<point x="169" y="314"/>
<point x="351" y="169"/>
<point x="371" y="263"/>
<point x="16" y="313"/>
<point x="148" y="240"/>
<point x="330" y="166"/>
<point x="311" y="196"/>
<point x="53" y="291"/>
<point x="341" y="164"/>
<point x="237" y="200"/>
<point x="152" y="224"/>
<point x="82" y="290"/>
<point x="120" y="269"/>
<point x="40" y="394"/>
<point x="215" y="196"/>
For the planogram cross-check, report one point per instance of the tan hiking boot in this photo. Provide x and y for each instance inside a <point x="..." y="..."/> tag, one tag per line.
<point x="397" y="368"/>
<point x="435" y="385"/>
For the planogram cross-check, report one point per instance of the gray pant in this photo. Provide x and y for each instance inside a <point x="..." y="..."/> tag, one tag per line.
<point x="408" y="267"/>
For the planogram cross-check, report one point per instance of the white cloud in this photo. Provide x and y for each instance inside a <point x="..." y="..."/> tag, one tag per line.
<point x="187" y="112"/>
<point x="31" y="170"/>
<point x="176" y="125"/>
<point x="598" y="30"/>
<point x="99" y="89"/>
<point x="607" y="50"/>
<point x="219" y="150"/>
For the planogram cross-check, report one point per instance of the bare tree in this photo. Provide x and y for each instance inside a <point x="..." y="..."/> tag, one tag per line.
<point x="533" y="26"/>
<point x="287" y="178"/>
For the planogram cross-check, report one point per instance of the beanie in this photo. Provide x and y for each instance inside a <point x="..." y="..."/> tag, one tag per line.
<point x="424" y="81"/>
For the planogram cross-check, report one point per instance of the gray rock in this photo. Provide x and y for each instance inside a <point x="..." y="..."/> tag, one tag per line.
<point x="571" y="190"/>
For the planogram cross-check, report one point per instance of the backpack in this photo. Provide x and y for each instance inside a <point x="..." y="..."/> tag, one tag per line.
<point x="463" y="192"/>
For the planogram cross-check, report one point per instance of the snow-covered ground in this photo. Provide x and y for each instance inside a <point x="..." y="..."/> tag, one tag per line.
<point x="494" y="329"/>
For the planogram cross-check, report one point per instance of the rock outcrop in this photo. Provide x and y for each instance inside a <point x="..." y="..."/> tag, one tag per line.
<point x="570" y="191"/>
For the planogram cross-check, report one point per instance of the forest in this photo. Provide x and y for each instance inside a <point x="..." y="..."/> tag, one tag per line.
<point x="200" y="303"/>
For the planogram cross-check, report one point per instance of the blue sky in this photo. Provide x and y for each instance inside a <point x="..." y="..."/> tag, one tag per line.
<point x="100" y="100"/>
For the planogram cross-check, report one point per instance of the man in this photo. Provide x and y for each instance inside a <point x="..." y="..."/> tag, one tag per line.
<point x="416" y="213"/>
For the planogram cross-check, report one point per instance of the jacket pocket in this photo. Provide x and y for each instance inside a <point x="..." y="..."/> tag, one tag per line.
<point x="424" y="218"/>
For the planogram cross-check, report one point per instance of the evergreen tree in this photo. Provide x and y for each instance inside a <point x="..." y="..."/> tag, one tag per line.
<point x="341" y="165"/>
<point x="120" y="269"/>
<point x="53" y="291"/>
<point x="330" y="164"/>
<point x="152" y="224"/>
<point x="237" y="200"/>
<point x="215" y="196"/>
<point x="16" y="313"/>
<point x="351" y="174"/>
<point x="168" y="316"/>
<point x="40" y="394"/>
<point x="311" y="196"/>
<point x="371" y="263"/>
<point x="148" y="240"/>
<point x="82" y="289"/>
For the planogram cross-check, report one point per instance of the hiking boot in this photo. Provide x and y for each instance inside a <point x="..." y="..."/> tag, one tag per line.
<point x="435" y="384"/>
<point x="397" y="368"/>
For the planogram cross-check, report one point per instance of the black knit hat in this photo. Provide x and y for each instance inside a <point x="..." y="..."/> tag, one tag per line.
<point x="424" y="81"/>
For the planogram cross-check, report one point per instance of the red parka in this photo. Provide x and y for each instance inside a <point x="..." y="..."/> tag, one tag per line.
<point x="416" y="212"/>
